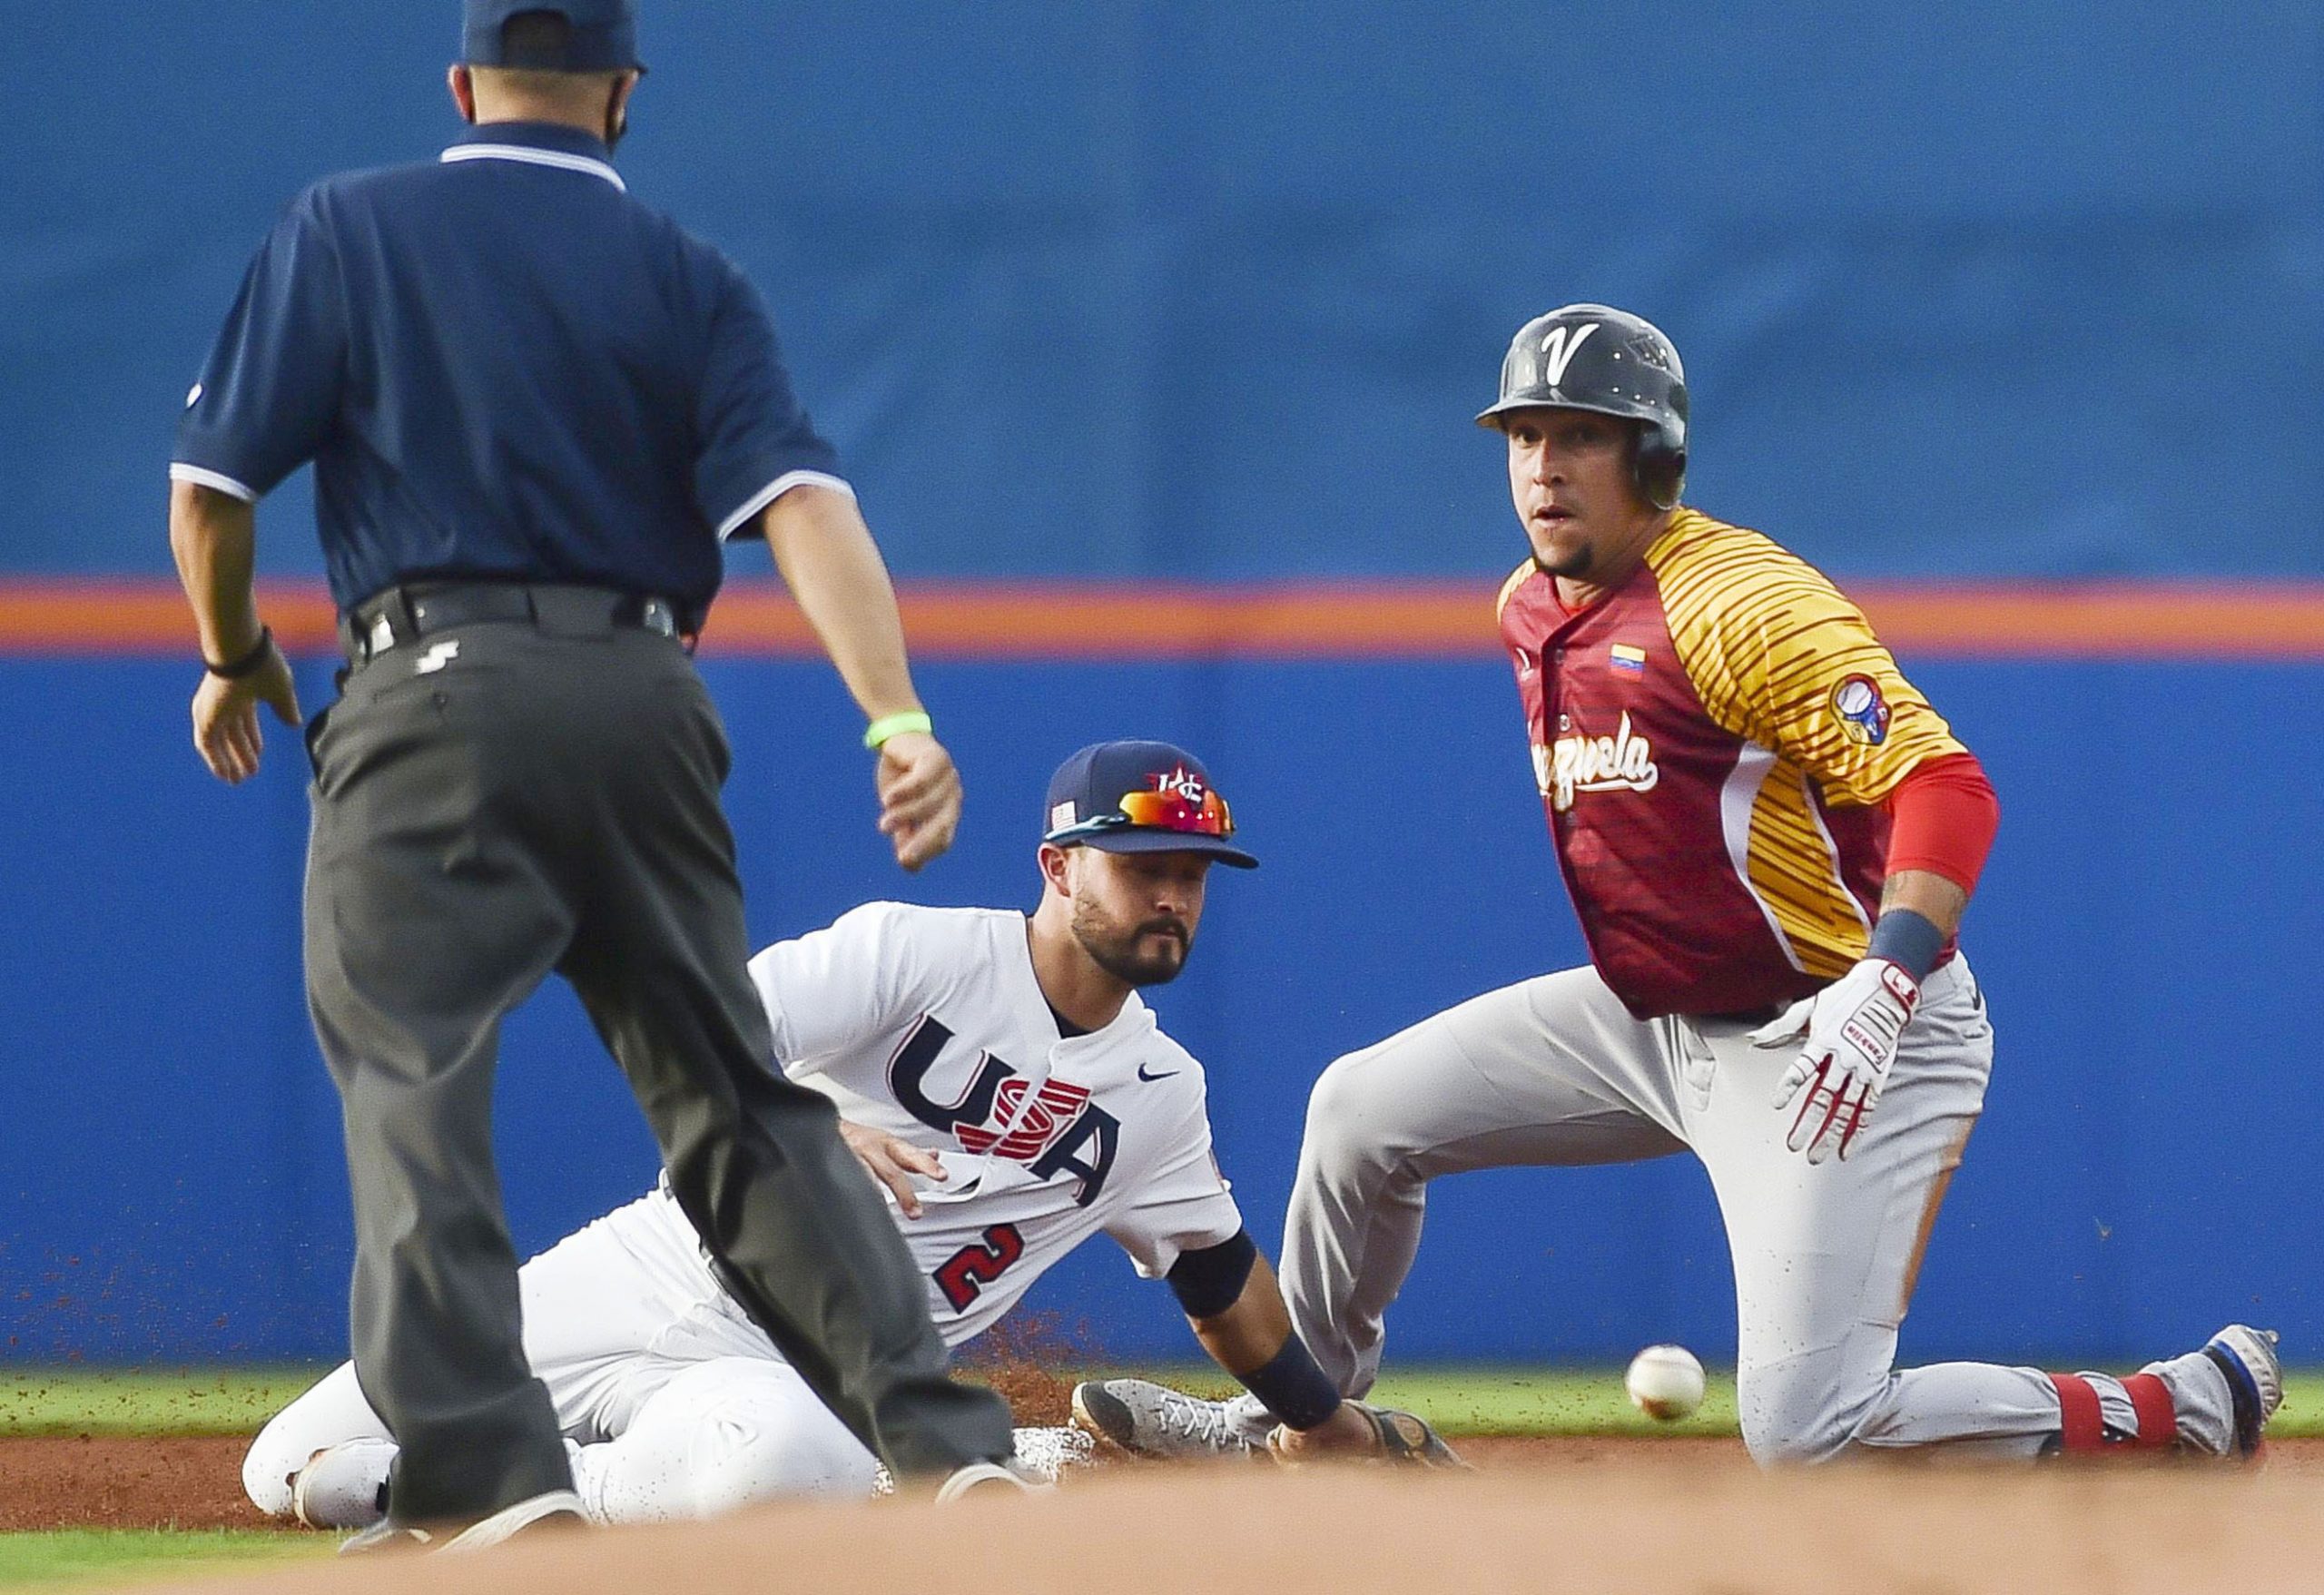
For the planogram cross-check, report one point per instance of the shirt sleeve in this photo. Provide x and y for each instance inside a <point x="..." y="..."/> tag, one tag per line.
<point x="1786" y="661"/>
<point x="1184" y="1205"/>
<point x="1943" y="816"/>
<point x="270" y="392"/>
<point x="757" y="442"/>
<point x="834" y="987"/>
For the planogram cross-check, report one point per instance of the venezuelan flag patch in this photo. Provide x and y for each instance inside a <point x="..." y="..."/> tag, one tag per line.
<point x="1624" y="657"/>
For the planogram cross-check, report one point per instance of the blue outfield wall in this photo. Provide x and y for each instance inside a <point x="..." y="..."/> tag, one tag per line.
<point x="1210" y="288"/>
<point x="168" y="1162"/>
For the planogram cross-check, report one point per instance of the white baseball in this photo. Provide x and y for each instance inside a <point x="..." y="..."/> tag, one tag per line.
<point x="1665" y="1382"/>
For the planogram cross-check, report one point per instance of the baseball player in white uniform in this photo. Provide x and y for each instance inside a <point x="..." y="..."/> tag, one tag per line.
<point x="1003" y="1079"/>
<point x="1770" y="837"/>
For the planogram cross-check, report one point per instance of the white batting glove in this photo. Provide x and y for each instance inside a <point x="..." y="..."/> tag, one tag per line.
<point x="1850" y="1029"/>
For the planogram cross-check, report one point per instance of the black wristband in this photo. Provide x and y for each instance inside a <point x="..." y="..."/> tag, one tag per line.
<point x="1908" y="938"/>
<point x="235" y="669"/>
<point x="1293" y="1387"/>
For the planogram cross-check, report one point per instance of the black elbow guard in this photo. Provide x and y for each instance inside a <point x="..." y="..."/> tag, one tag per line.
<point x="1208" y="1281"/>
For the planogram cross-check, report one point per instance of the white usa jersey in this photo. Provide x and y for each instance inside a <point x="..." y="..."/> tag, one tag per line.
<point x="929" y="1023"/>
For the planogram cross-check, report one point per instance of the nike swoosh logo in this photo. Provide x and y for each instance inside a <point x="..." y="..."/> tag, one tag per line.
<point x="1165" y="1075"/>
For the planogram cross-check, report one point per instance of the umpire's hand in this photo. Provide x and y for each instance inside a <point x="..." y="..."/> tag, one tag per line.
<point x="225" y="717"/>
<point x="920" y="797"/>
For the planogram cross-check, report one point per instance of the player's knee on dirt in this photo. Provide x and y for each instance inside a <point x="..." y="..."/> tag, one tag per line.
<point x="1797" y="1413"/>
<point x="721" y="1435"/>
<point x="331" y="1413"/>
<point x="267" y="1467"/>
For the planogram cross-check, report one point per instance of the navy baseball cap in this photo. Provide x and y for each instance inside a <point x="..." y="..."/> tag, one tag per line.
<point x="603" y="36"/>
<point x="1140" y="797"/>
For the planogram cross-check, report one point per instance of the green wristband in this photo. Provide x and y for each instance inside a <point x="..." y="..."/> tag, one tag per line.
<point x="877" y="734"/>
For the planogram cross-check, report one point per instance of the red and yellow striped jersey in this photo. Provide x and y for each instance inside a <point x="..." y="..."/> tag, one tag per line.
<point x="1713" y="740"/>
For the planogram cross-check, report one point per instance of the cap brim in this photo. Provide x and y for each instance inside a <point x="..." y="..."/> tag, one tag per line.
<point x="1157" y="841"/>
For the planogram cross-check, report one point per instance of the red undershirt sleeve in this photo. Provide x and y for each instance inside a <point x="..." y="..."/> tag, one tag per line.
<point x="1942" y="816"/>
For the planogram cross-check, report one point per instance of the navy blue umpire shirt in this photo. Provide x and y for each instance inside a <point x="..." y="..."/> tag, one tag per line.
<point x="504" y="368"/>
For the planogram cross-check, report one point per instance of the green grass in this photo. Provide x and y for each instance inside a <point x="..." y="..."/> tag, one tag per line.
<point x="143" y="1401"/>
<point x="1467" y="1400"/>
<point x="73" y="1556"/>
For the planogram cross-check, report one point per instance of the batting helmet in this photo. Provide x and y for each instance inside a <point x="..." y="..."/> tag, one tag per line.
<point x="1597" y="358"/>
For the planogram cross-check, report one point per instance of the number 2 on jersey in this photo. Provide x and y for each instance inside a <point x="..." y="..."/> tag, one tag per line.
<point x="963" y="1275"/>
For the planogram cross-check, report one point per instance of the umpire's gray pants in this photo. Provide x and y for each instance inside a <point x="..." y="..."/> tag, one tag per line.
<point x="492" y="803"/>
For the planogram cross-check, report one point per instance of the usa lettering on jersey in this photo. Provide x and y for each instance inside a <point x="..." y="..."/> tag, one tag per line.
<point x="1052" y="1128"/>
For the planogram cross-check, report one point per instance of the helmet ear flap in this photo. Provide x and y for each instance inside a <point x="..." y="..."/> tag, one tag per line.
<point x="1658" y="469"/>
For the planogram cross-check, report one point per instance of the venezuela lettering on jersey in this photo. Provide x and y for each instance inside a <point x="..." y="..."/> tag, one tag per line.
<point x="1052" y="1128"/>
<point x="1623" y="762"/>
<point x="1713" y="740"/>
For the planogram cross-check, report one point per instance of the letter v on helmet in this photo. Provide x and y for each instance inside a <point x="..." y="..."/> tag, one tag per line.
<point x="1558" y="350"/>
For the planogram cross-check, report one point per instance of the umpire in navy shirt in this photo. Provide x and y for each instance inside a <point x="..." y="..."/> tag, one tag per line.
<point x="534" y="409"/>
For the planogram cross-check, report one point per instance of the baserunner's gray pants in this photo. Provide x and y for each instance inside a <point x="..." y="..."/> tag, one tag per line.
<point x="492" y="803"/>
<point x="1556" y="1071"/>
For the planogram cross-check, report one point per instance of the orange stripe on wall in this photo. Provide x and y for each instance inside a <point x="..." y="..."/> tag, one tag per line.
<point x="1341" y="620"/>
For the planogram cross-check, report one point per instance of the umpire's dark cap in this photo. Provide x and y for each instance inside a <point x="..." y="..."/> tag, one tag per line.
<point x="602" y="36"/>
<point x="1140" y="797"/>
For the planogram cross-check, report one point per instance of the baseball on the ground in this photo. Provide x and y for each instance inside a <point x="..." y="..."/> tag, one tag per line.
<point x="1665" y="1382"/>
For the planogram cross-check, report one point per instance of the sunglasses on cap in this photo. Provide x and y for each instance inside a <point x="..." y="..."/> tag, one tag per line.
<point x="1156" y="810"/>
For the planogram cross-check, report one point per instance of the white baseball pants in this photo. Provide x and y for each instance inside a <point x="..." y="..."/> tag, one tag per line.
<point x="673" y="1405"/>
<point x="1555" y="1070"/>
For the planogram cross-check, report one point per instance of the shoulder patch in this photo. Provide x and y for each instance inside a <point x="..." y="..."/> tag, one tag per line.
<point x="1862" y="710"/>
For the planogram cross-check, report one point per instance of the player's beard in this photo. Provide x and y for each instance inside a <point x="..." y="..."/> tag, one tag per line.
<point x="1118" y="951"/>
<point x="1574" y="567"/>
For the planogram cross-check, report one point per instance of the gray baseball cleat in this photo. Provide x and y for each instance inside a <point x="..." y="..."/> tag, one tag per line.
<point x="1151" y="1420"/>
<point x="2255" y="1379"/>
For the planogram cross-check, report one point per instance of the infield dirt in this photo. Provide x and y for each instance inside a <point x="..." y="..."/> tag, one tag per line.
<point x="1600" y="1515"/>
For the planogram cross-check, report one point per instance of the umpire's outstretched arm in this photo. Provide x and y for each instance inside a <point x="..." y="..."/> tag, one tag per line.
<point x="834" y="570"/>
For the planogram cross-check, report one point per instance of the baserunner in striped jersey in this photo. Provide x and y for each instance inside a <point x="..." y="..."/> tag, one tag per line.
<point x="1769" y="838"/>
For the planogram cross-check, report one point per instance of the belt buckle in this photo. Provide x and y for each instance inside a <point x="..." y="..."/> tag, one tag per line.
<point x="658" y="617"/>
<point x="382" y="637"/>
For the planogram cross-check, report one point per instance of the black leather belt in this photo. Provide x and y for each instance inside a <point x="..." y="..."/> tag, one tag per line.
<point x="402" y="616"/>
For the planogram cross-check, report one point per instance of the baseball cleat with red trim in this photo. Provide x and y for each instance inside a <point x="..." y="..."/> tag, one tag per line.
<point x="2255" y="1378"/>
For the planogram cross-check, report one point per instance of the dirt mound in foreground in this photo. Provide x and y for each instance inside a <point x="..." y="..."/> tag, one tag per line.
<point x="1639" y="1517"/>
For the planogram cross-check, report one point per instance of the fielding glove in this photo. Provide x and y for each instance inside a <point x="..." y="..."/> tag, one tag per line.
<point x="1850" y="1029"/>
